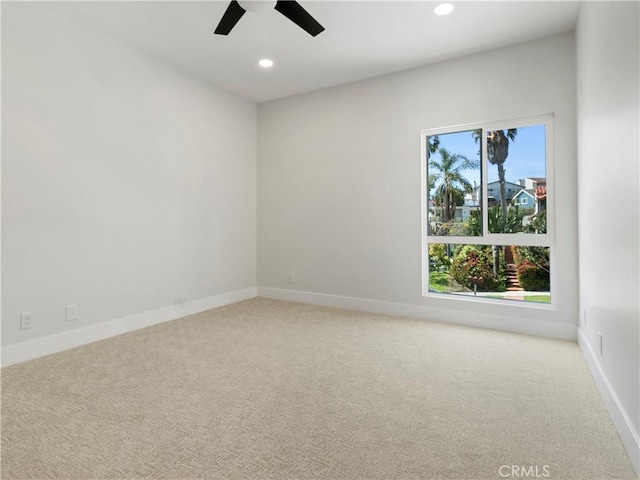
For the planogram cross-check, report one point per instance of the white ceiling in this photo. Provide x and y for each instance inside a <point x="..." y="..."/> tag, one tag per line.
<point x="361" y="40"/>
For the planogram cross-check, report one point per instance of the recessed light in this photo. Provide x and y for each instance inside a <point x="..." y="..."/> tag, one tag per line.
<point x="443" y="9"/>
<point x="265" y="63"/>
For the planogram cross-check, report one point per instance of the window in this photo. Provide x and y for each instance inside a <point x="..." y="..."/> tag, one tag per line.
<point x="477" y="242"/>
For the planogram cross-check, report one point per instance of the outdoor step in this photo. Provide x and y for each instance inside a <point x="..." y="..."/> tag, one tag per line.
<point x="511" y="274"/>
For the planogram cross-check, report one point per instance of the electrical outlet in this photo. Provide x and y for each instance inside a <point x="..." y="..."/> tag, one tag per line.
<point x="601" y="350"/>
<point x="26" y="320"/>
<point x="290" y="278"/>
<point x="72" y="312"/>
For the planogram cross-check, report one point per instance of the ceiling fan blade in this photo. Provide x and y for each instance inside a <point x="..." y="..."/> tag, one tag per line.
<point x="231" y="16"/>
<point x="298" y="15"/>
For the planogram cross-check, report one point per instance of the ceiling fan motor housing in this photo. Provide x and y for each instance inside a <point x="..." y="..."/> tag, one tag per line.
<point x="257" y="6"/>
<point x="289" y="8"/>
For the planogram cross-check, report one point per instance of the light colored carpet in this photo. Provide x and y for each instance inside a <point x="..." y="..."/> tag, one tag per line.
<point x="269" y="389"/>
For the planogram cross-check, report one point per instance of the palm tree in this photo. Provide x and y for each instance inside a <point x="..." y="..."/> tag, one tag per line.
<point x="448" y="180"/>
<point x="433" y="142"/>
<point x="497" y="153"/>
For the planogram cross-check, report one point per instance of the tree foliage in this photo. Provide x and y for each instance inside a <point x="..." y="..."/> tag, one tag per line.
<point x="538" y="224"/>
<point x="449" y="183"/>
<point x="438" y="257"/>
<point x="511" y="223"/>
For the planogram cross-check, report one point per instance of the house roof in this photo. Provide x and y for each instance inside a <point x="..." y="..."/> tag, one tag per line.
<point x="539" y="180"/>
<point x="541" y="192"/>
<point x="496" y="182"/>
<point x="528" y="191"/>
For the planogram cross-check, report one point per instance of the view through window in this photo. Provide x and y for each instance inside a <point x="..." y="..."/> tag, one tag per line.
<point x="486" y="214"/>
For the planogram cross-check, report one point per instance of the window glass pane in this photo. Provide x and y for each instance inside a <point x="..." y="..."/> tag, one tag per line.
<point x="518" y="273"/>
<point x="454" y="184"/>
<point x="517" y="180"/>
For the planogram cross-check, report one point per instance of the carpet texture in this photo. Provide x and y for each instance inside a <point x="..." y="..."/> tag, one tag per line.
<point x="267" y="389"/>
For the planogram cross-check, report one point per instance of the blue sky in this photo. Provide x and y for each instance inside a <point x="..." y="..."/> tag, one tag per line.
<point x="526" y="154"/>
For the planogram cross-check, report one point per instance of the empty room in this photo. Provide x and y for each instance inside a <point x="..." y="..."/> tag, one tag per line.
<point x="320" y="240"/>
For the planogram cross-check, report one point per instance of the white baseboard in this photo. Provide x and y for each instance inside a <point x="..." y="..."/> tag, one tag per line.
<point x="39" y="347"/>
<point x="562" y="331"/>
<point x="616" y="411"/>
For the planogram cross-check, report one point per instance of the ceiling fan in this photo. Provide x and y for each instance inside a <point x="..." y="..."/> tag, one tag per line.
<point x="289" y="8"/>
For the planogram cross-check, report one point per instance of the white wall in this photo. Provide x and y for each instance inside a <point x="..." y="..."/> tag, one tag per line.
<point x="339" y="182"/>
<point x="128" y="186"/>
<point x="608" y="152"/>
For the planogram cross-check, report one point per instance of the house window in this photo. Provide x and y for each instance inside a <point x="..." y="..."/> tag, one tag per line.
<point x="482" y="246"/>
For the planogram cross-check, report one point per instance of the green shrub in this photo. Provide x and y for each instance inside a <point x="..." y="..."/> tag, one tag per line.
<point x="438" y="258"/>
<point x="533" y="278"/>
<point x="538" y="224"/>
<point x="512" y="223"/>
<point x="473" y="225"/>
<point x="532" y="265"/>
<point x="476" y="261"/>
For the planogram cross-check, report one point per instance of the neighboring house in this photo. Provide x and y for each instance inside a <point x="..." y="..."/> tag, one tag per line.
<point x="536" y="187"/>
<point x="512" y="189"/>
<point x="540" y="192"/>
<point x="525" y="198"/>
<point x="534" y="197"/>
<point x="463" y="212"/>
<point x="493" y="192"/>
<point x="533" y="182"/>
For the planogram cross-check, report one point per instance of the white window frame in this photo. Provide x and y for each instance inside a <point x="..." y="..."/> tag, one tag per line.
<point x="487" y="238"/>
